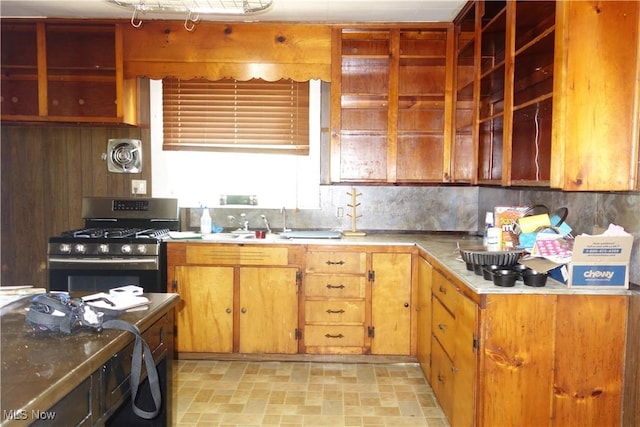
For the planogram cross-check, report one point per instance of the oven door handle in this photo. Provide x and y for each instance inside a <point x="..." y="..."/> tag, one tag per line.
<point x="120" y="264"/>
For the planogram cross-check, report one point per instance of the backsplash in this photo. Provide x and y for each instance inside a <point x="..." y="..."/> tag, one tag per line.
<point x="394" y="208"/>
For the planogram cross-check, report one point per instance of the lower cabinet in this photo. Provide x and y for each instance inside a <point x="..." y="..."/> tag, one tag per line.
<point x="357" y="301"/>
<point x="508" y="359"/>
<point x="205" y="319"/>
<point x="268" y="310"/>
<point x="390" y="329"/>
<point x="234" y="305"/>
<point x="422" y="307"/>
<point x="454" y="350"/>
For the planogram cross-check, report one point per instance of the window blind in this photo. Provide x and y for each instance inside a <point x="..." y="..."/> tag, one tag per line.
<point x="242" y="116"/>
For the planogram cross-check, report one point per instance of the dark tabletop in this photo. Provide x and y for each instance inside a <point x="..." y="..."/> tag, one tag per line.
<point x="39" y="369"/>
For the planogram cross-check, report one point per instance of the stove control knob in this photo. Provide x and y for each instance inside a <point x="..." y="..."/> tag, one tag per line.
<point x="142" y="249"/>
<point x="103" y="248"/>
<point x="65" y="248"/>
<point x="80" y="248"/>
<point x="126" y="249"/>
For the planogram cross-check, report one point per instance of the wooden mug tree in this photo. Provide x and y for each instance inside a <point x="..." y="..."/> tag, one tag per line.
<point x="354" y="215"/>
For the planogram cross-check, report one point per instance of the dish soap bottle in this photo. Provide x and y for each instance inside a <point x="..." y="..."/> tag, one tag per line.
<point x="491" y="237"/>
<point x="205" y="221"/>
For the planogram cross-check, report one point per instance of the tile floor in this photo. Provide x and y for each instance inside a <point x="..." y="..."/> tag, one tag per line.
<point x="242" y="393"/>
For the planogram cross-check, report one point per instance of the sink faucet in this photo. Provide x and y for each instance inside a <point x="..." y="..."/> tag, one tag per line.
<point x="243" y="223"/>
<point x="266" y="223"/>
<point x="283" y="211"/>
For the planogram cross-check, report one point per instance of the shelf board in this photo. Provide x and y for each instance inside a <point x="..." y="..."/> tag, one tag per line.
<point x="530" y="183"/>
<point x="533" y="101"/>
<point x="491" y="117"/>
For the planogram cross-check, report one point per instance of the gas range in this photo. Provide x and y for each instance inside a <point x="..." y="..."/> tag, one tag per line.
<point x="121" y="243"/>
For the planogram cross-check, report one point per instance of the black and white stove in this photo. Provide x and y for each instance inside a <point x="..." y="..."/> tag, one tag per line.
<point x="120" y="244"/>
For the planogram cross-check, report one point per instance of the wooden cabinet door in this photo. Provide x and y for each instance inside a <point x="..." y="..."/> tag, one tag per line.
<point x="423" y="314"/>
<point x="391" y="303"/>
<point x="205" y="319"/>
<point x="391" y="104"/>
<point x="595" y="140"/>
<point x="465" y="362"/>
<point x="268" y="310"/>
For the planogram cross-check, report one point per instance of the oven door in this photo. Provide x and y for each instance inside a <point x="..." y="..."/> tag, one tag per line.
<point x="100" y="275"/>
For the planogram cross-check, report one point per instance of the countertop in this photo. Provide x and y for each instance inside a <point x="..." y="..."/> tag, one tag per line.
<point x="40" y="369"/>
<point x="442" y="247"/>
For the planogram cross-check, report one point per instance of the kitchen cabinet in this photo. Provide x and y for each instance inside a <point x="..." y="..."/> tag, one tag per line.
<point x="423" y="315"/>
<point x="391" y="104"/>
<point x="357" y="301"/>
<point x="552" y="357"/>
<point x="268" y="310"/>
<point x="595" y="139"/>
<point x="534" y="353"/>
<point x="57" y="71"/>
<point x="335" y="297"/>
<point x="464" y="159"/>
<point x="550" y="99"/>
<point x="235" y="298"/>
<point x="454" y="351"/>
<point x="516" y="69"/>
<point x="391" y="304"/>
<point x="205" y="317"/>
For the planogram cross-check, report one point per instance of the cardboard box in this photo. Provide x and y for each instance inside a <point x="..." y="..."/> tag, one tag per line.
<point x="505" y="218"/>
<point x="600" y="262"/>
<point x="597" y="262"/>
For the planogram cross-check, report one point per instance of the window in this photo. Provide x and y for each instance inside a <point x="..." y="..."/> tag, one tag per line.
<point x="198" y="178"/>
<point x="239" y="116"/>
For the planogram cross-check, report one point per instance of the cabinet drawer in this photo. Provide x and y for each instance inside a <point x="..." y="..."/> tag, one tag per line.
<point x="442" y="379"/>
<point x="336" y="262"/>
<point x="443" y="327"/>
<point x="334" y="311"/>
<point x="445" y="291"/>
<point x="335" y="286"/>
<point x="226" y="254"/>
<point x="334" y="336"/>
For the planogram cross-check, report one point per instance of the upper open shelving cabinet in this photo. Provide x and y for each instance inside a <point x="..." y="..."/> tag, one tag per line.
<point x="66" y="72"/>
<point x="391" y="108"/>
<point x="557" y="93"/>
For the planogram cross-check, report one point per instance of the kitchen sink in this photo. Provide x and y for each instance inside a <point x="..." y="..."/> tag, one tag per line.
<point x="220" y="237"/>
<point x="311" y="234"/>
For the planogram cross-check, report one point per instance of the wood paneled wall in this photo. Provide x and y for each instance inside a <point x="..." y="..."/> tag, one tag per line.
<point x="46" y="170"/>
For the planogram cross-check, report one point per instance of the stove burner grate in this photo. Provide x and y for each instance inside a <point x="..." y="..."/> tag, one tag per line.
<point x="91" y="233"/>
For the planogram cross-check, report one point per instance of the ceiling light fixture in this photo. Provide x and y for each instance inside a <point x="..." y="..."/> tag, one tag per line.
<point x="193" y="8"/>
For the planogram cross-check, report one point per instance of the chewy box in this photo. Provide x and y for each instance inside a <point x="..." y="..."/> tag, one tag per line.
<point x="600" y="262"/>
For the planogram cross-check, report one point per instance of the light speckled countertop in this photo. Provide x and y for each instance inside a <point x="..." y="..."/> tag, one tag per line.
<point x="443" y="247"/>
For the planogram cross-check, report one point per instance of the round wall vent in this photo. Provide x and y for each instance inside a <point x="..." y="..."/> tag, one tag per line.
<point x="124" y="155"/>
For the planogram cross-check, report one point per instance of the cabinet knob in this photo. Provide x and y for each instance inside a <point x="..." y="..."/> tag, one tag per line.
<point x="406" y="304"/>
<point x="243" y="310"/>
<point x="442" y="289"/>
<point x="228" y="310"/>
<point x="442" y="327"/>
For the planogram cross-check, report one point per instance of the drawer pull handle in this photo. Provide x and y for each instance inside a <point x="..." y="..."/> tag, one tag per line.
<point x="330" y="286"/>
<point x="442" y="289"/>
<point x="335" y="311"/>
<point x="335" y="262"/>
<point x="442" y="327"/>
<point x="334" y="336"/>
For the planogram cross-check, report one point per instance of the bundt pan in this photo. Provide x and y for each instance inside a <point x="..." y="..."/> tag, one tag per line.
<point x="481" y="256"/>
